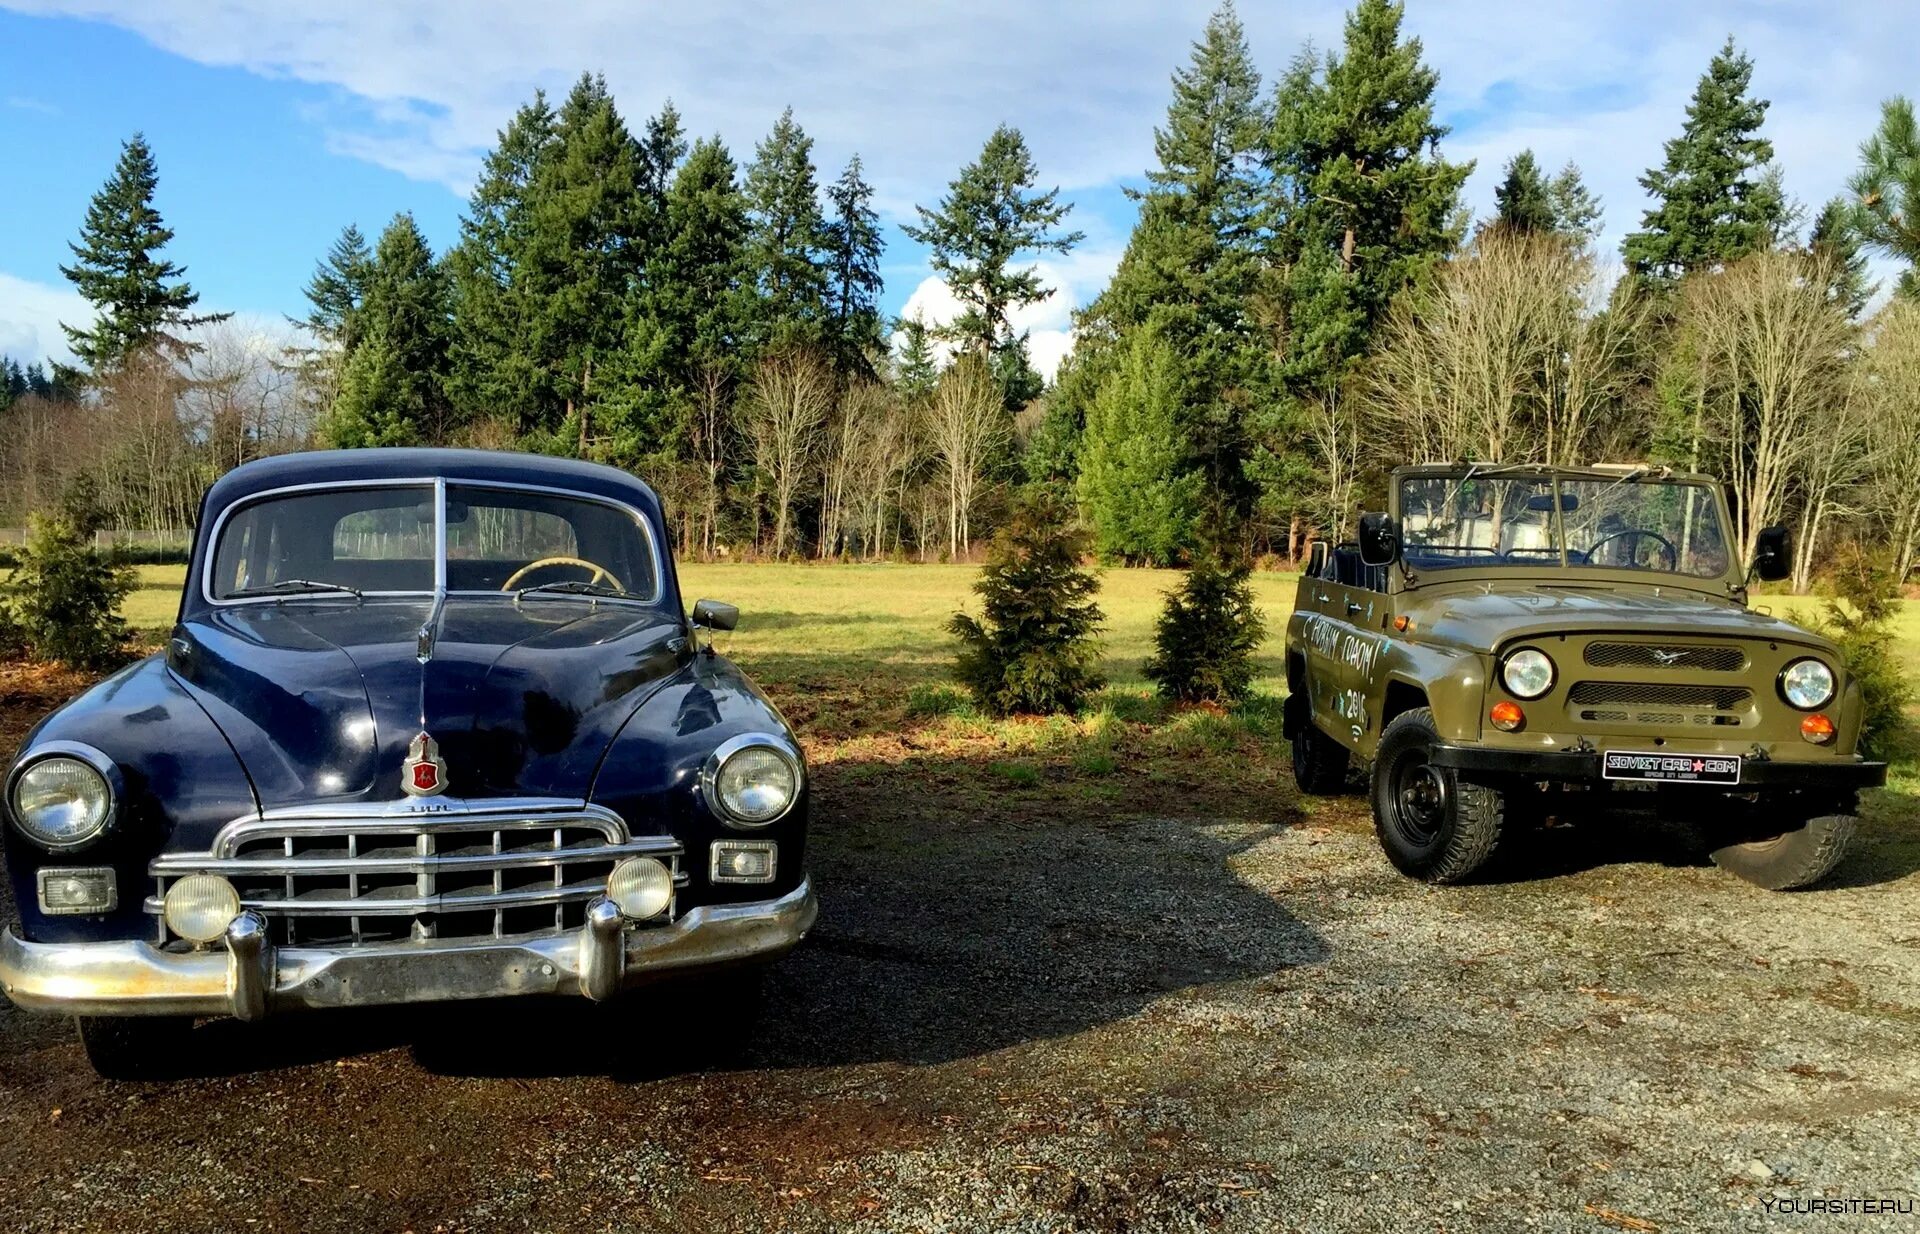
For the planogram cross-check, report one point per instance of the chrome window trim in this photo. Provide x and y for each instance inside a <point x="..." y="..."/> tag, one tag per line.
<point x="710" y="772"/>
<point x="439" y="484"/>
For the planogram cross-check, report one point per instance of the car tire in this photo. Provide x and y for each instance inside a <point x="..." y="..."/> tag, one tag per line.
<point x="1319" y="762"/>
<point x="1792" y="859"/>
<point x="136" y="1047"/>
<point x="1432" y="824"/>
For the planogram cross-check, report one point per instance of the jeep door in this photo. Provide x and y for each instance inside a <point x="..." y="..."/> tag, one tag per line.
<point x="1342" y="650"/>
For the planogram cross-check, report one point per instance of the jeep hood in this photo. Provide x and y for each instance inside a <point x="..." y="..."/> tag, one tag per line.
<point x="1481" y="618"/>
<point x="320" y="699"/>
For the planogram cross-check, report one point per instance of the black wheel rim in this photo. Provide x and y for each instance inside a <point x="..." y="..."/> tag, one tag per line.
<point x="1422" y="798"/>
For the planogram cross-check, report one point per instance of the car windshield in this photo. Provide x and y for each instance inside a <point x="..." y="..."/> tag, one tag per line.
<point x="382" y="540"/>
<point x="1469" y="520"/>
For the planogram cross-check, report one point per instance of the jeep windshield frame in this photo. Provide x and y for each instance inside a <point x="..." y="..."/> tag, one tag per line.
<point x="1571" y="526"/>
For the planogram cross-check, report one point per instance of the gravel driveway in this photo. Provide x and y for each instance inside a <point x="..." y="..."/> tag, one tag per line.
<point x="1090" y="1024"/>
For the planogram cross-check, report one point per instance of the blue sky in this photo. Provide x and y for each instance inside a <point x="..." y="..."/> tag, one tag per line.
<point x="277" y="121"/>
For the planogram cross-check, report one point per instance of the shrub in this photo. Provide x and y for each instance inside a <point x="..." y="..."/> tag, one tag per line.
<point x="66" y="602"/>
<point x="1208" y="632"/>
<point x="1035" y="649"/>
<point x="1858" y="617"/>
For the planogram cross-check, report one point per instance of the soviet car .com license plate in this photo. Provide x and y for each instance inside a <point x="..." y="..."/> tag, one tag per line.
<point x="1675" y="768"/>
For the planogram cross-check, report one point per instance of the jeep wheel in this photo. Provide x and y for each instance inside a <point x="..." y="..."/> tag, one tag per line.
<point x="136" y="1047"/>
<point x="1319" y="762"/>
<point x="1432" y="824"/>
<point x="1793" y="859"/>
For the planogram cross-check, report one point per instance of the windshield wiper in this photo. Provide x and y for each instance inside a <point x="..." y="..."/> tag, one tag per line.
<point x="291" y="586"/>
<point x="571" y="588"/>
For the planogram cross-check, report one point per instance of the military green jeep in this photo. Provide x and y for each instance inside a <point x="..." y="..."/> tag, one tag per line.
<point x="1508" y="643"/>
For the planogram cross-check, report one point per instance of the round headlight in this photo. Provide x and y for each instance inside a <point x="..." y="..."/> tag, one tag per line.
<point x="1528" y="673"/>
<point x="640" y="887"/>
<point x="61" y="802"/>
<point x="1807" y="684"/>
<point x="753" y="782"/>
<point x="200" y="907"/>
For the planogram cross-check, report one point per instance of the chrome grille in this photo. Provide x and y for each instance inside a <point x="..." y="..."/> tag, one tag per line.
<point x="1712" y="659"/>
<point x="443" y="870"/>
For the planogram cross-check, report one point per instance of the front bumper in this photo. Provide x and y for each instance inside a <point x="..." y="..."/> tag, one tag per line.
<point x="1583" y="767"/>
<point x="248" y="978"/>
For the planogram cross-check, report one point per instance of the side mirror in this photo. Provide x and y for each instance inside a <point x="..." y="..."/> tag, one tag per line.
<point x="1379" y="540"/>
<point x="1317" y="559"/>
<point x="713" y="615"/>
<point x="1772" y="554"/>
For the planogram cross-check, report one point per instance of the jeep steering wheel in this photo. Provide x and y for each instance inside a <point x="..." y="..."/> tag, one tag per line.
<point x="599" y="572"/>
<point x="1633" y="536"/>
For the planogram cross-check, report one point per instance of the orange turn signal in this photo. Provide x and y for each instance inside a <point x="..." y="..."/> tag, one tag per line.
<point x="1817" y="728"/>
<point x="1402" y="622"/>
<point x="1507" y="717"/>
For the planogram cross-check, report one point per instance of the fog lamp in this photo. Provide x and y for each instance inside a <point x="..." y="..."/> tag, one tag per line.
<point x="70" y="892"/>
<point x="200" y="907"/>
<point x="1817" y="728"/>
<point x="1507" y="717"/>
<point x="640" y="887"/>
<point x="743" y="861"/>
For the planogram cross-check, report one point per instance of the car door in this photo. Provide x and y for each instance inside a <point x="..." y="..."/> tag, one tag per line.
<point x="1341" y="652"/>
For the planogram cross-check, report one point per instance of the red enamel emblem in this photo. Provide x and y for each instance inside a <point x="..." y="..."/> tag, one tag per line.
<point x="423" y="774"/>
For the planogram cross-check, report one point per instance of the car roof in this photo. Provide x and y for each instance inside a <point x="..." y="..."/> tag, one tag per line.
<point x="1589" y="471"/>
<point x="400" y="463"/>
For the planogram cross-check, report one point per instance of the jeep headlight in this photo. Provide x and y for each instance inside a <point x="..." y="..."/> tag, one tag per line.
<point x="61" y="802"/>
<point x="751" y="780"/>
<point x="1527" y="673"/>
<point x="1807" y="684"/>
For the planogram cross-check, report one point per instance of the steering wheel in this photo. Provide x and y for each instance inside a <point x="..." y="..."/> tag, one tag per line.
<point x="599" y="572"/>
<point x="1632" y="535"/>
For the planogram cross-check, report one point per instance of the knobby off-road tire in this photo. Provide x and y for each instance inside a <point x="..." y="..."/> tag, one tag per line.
<point x="1432" y="824"/>
<point x="1793" y="859"/>
<point x="1319" y="762"/>
<point x="136" y="1047"/>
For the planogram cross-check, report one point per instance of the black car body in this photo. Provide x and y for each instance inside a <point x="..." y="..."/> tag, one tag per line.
<point x="420" y="708"/>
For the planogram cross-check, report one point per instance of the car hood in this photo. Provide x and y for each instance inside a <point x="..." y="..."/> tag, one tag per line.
<point x="1482" y="619"/>
<point x="321" y="699"/>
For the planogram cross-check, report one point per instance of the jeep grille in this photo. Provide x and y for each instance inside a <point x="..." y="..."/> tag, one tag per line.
<point x="465" y="871"/>
<point x="1652" y="655"/>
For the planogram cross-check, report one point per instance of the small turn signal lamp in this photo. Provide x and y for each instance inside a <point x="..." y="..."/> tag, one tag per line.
<point x="70" y="892"/>
<point x="743" y="861"/>
<point x="1816" y="728"/>
<point x="1506" y="716"/>
<point x="1402" y="623"/>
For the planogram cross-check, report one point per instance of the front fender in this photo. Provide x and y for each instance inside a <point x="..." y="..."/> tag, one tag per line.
<point x="180" y="781"/>
<point x="651" y="775"/>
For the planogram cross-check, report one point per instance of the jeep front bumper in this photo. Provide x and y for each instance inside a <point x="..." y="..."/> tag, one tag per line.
<point x="249" y="978"/>
<point x="1583" y="767"/>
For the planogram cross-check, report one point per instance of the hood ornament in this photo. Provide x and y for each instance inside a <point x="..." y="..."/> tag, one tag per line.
<point x="424" y="774"/>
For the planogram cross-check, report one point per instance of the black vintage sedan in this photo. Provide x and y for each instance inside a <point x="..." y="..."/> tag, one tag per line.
<point x="433" y="725"/>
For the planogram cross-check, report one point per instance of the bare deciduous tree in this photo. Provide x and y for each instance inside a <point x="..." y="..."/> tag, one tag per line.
<point x="966" y="422"/>
<point x="786" y="412"/>
<point x="1890" y="395"/>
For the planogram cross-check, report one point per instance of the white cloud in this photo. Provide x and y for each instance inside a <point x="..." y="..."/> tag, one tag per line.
<point x="30" y="317"/>
<point x="1076" y="278"/>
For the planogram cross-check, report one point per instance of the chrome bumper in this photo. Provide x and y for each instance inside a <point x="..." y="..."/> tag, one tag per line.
<point x="247" y="978"/>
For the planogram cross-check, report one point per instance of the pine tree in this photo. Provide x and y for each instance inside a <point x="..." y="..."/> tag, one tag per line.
<point x="1034" y="648"/>
<point x="142" y="299"/>
<point x="1365" y="205"/>
<point x="1836" y="246"/>
<point x="393" y="393"/>
<point x="1191" y="266"/>
<point x="493" y="366"/>
<point x="1576" y="211"/>
<point x="583" y="256"/>
<point x="915" y="369"/>
<point x="1713" y="202"/>
<point x="1523" y="201"/>
<point x="852" y="246"/>
<point x="1134" y="482"/>
<point x="987" y="221"/>
<point x="785" y="237"/>
<point x="1887" y="191"/>
<point x="337" y="289"/>
<point x="1208" y="633"/>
